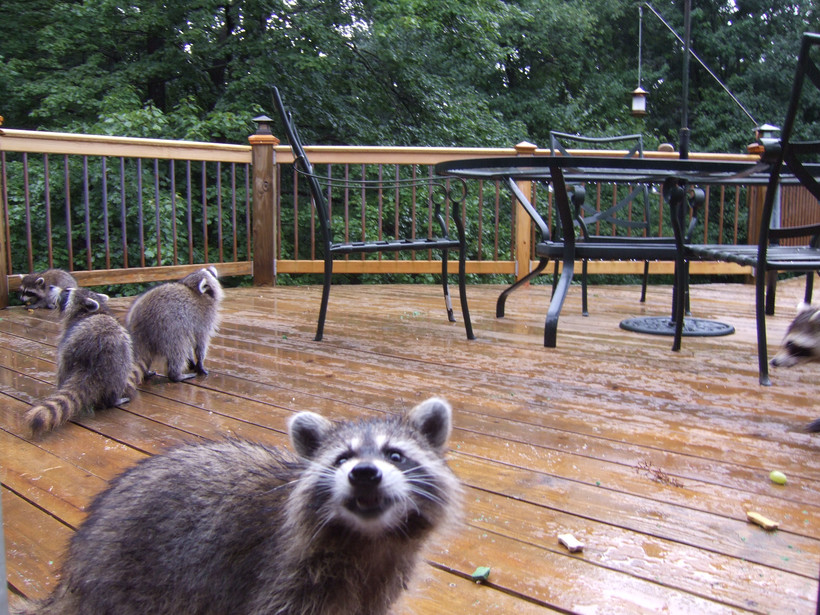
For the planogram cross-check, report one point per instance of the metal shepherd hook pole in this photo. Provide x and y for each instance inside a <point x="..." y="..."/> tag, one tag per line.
<point x="687" y="35"/>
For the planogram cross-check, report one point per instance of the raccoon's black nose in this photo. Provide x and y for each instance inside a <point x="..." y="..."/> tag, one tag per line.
<point x="364" y="474"/>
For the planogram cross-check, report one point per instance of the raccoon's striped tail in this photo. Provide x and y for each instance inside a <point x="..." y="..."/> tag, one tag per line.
<point x="140" y="372"/>
<point x="814" y="426"/>
<point x="53" y="411"/>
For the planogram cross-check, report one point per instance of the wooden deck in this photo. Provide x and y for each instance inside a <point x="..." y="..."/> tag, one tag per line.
<point x="650" y="458"/>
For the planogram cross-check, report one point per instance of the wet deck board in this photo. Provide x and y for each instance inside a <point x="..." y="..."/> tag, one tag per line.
<point x="650" y="458"/>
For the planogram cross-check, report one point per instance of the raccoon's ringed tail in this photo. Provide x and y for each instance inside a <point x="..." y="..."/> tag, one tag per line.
<point x="139" y="373"/>
<point x="53" y="411"/>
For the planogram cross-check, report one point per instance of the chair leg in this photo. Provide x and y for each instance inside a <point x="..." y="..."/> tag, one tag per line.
<point x="502" y="298"/>
<point x="556" y="302"/>
<point x="809" y="287"/>
<point x="325" y="296"/>
<point x="771" y="288"/>
<point x="680" y="298"/>
<point x="584" y="304"/>
<point x="645" y="281"/>
<point x="445" y="286"/>
<point x="761" y="299"/>
<point x="462" y="291"/>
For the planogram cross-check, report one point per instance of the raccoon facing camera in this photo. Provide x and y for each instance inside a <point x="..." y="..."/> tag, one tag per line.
<point x="237" y="527"/>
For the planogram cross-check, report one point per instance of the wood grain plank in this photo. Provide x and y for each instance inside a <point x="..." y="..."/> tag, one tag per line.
<point x="545" y="440"/>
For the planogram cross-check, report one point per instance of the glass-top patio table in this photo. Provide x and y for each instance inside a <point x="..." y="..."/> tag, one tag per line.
<point x="676" y="176"/>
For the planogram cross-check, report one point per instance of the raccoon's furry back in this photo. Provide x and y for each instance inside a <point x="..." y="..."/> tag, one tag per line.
<point x="95" y="362"/>
<point x="242" y="528"/>
<point x="175" y="321"/>
<point x="173" y="521"/>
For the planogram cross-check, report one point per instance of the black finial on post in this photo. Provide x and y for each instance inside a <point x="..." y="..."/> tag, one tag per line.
<point x="264" y="123"/>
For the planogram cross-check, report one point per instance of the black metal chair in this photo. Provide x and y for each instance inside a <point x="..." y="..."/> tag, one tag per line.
<point x="592" y="246"/>
<point x="547" y="248"/>
<point x="619" y="215"/>
<point x="437" y="236"/>
<point x="769" y="256"/>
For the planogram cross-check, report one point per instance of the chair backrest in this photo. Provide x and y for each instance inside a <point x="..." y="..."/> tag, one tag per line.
<point x="619" y="214"/>
<point x="304" y="167"/>
<point x="796" y="155"/>
<point x="559" y="141"/>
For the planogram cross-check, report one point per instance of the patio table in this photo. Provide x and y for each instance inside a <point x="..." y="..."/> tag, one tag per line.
<point x="563" y="170"/>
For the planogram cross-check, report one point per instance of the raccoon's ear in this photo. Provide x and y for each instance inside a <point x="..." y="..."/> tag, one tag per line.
<point x="91" y="305"/>
<point x="214" y="272"/>
<point x="307" y="431"/>
<point x="205" y="287"/>
<point x="433" y="419"/>
<point x="41" y="282"/>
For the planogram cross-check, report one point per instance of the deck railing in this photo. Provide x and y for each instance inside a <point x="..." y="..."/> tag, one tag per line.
<point x="117" y="210"/>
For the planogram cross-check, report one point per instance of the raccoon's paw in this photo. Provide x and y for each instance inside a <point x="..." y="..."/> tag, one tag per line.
<point x="178" y="377"/>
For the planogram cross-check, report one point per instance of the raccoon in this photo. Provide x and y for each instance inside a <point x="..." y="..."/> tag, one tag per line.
<point x="95" y="362"/>
<point x="42" y="290"/>
<point x="242" y="528"/>
<point x="175" y="321"/>
<point x="801" y="344"/>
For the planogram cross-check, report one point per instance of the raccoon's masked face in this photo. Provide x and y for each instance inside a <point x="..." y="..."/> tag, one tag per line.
<point x="801" y="344"/>
<point x="32" y="290"/>
<point x="381" y="476"/>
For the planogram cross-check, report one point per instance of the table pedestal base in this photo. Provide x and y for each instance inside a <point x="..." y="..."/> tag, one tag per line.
<point x="663" y="325"/>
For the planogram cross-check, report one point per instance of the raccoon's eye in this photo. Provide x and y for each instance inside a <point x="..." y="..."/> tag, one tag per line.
<point x="341" y="459"/>
<point x="798" y="351"/>
<point x="395" y="456"/>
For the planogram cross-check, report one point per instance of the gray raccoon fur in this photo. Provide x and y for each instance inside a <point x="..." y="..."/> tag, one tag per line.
<point x="95" y="362"/>
<point x="801" y="344"/>
<point x="241" y="528"/>
<point x="42" y="290"/>
<point x="175" y="322"/>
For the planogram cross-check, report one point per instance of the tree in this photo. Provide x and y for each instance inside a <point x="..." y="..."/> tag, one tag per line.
<point x="402" y="72"/>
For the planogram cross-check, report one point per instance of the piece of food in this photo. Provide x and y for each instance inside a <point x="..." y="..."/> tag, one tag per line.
<point x="765" y="523"/>
<point x="482" y="573"/>
<point x="570" y="542"/>
<point x="776" y="476"/>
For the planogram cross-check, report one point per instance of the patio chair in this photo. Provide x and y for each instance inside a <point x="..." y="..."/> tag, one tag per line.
<point x="628" y="218"/>
<point x="769" y="256"/>
<point x="437" y="237"/>
<point x="592" y="245"/>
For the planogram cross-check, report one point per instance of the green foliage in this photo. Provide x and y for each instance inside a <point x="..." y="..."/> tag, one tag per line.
<point x="360" y="72"/>
<point x="398" y="72"/>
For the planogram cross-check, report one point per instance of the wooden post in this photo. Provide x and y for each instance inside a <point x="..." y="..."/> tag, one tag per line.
<point x="263" y="161"/>
<point x="523" y="222"/>
<point x="5" y="265"/>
